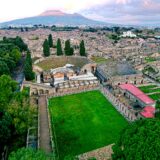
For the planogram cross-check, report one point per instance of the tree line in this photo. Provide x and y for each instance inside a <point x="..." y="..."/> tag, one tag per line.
<point x="138" y="141"/>
<point x="10" y="54"/>
<point x="16" y="114"/>
<point x="68" y="49"/>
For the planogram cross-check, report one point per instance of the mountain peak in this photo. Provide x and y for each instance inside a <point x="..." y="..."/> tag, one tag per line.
<point x="52" y="13"/>
<point x="54" y="17"/>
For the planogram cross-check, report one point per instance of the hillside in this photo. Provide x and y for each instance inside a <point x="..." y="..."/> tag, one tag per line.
<point x="54" y="17"/>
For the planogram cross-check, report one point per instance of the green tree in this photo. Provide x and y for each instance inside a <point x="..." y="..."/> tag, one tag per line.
<point x="22" y="115"/>
<point x="4" y="68"/>
<point x="20" y="43"/>
<point x="8" y="88"/>
<point x="59" y="48"/>
<point x="28" y="72"/>
<point x="67" y="48"/>
<point x="28" y="154"/>
<point x="82" y="49"/>
<point x="50" y="41"/>
<point x="16" y="54"/>
<point x="5" y="125"/>
<point x="46" y="49"/>
<point x="9" y="61"/>
<point x="139" y="141"/>
<point x="71" y="51"/>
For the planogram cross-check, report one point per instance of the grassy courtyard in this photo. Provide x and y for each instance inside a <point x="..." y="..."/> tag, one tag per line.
<point x="151" y="89"/>
<point x="84" y="122"/>
<point x="61" y="61"/>
<point x="99" y="60"/>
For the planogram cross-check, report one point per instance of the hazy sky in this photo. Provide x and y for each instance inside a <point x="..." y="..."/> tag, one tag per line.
<point x="113" y="11"/>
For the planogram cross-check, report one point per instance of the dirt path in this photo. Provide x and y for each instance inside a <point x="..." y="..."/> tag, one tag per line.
<point x="100" y="154"/>
<point x="44" y="139"/>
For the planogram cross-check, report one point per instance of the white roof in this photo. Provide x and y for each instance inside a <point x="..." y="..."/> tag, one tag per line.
<point x="69" y="65"/>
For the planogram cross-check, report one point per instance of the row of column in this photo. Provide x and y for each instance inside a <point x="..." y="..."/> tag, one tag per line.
<point x="124" y="110"/>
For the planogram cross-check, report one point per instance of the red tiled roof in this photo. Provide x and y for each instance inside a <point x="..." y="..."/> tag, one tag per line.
<point x="148" y="112"/>
<point x="137" y="93"/>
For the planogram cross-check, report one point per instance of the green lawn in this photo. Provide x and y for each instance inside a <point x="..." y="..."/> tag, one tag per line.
<point x="155" y="96"/>
<point x="99" y="60"/>
<point x="150" y="59"/>
<point x="148" y="89"/>
<point x="55" y="62"/>
<point x="84" y="122"/>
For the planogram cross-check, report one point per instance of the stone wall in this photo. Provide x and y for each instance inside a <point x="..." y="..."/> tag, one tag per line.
<point x="134" y="79"/>
<point x="126" y="111"/>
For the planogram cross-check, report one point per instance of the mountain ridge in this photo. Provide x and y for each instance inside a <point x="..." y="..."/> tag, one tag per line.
<point x="54" y="17"/>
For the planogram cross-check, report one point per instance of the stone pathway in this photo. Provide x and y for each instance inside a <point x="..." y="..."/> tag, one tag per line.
<point x="100" y="154"/>
<point x="44" y="134"/>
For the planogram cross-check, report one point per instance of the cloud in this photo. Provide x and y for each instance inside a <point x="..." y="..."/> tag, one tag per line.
<point x="113" y="11"/>
<point x="10" y="9"/>
<point x="127" y="12"/>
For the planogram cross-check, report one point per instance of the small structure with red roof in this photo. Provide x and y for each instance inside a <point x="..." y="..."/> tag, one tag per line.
<point x="148" y="112"/>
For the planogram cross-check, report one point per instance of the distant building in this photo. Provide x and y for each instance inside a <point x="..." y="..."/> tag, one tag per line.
<point x="129" y="34"/>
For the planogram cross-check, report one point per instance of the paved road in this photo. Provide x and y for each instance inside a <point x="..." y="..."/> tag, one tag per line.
<point x="44" y="140"/>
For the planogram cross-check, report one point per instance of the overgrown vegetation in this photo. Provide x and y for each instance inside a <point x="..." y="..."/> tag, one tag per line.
<point x="15" y="114"/>
<point x="139" y="140"/>
<point x="29" y="154"/>
<point x="10" y="54"/>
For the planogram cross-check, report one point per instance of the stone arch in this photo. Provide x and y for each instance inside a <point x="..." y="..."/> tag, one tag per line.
<point x="46" y="91"/>
<point x="142" y="81"/>
<point x="35" y="91"/>
<point x="41" y="91"/>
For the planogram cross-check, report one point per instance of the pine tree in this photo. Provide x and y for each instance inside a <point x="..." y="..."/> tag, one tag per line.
<point x="59" y="48"/>
<point x="50" y="41"/>
<point x="67" y="48"/>
<point x="28" y="72"/>
<point x="82" y="49"/>
<point x="46" y="49"/>
<point x="71" y="51"/>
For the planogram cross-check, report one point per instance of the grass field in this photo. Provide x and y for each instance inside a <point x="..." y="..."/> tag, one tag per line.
<point x="155" y="96"/>
<point x="99" y="60"/>
<point x="151" y="89"/>
<point x="150" y="59"/>
<point x="148" y="89"/>
<point x="61" y="61"/>
<point x="84" y="122"/>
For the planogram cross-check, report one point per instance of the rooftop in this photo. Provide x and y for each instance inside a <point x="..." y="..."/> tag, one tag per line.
<point x="115" y="68"/>
<point x="137" y="93"/>
<point x="148" y="112"/>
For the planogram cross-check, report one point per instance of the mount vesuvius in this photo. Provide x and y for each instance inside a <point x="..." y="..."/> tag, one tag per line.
<point x="54" y="17"/>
